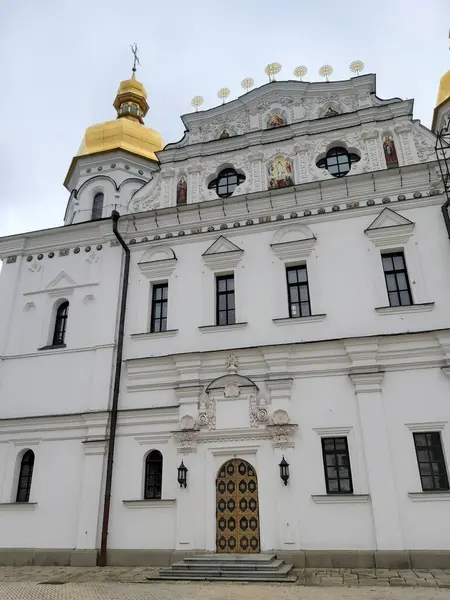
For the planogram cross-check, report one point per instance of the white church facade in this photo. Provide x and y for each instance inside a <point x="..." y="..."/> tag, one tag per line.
<point x="258" y="361"/>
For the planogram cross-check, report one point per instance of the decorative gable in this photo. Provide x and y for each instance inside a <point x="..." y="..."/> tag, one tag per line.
<point x="293" y="242"/>
<point x="158" y="262"/>
<point x="222" y="254"/>
<point x="61" y="281"/>
<point x="389" y="228"/>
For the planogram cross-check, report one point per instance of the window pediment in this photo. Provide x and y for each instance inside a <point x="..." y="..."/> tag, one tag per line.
<point x="158" y="262"/>
<point x="390" y="228"/>
<point x="222" y="254"/>
<point x="293" y="242"/>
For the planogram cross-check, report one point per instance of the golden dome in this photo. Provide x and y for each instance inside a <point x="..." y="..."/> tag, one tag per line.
<point x="444" y="89"/>
<point x="127" y="131"/>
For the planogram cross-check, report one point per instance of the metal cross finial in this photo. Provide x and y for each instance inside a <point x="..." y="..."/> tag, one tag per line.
<point x="136" y="61"/>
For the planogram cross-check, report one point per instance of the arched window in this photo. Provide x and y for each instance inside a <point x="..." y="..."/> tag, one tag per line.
<point x="338" y="162"/>
<point x="25" y="475"/>
<point x="59" y="332"/>
<point x="226" y="182"/>
<point x="97" y="206"/>
<point x="153" y="475"/>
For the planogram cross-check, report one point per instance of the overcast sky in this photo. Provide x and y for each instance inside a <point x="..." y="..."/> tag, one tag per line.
<point x="61" y="62"/>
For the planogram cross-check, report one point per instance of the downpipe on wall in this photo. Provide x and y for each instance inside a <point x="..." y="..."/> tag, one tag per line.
<point x="115" y="398"/>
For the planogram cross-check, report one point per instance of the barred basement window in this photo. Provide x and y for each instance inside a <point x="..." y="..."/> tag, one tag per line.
<point x="397" y="281"/>
<point x="336" y="462"/>
<point x="153" y="475"/>
<point x="298" y="291"/>
<point x="25" y="476"/>
<point x="430" y="458"/>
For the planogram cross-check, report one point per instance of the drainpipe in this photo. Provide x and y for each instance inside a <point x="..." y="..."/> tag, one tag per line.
<point x="115" y="399"/>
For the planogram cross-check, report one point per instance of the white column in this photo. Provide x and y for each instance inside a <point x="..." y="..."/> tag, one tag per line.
<point x="373" y="147"/>
<point x="301" y="163"/>
<point x="90" y="499"/>
<point x="407" y="145"/>
<point x="257" y="175"/>
<point x="378" y="459"/>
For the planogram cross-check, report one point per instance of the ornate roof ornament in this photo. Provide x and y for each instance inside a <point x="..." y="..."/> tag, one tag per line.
<point x="247" y="84"/>
<point x="223" y="94"/>
<point x="326" y="71"/>
<point x="272" y="69"/>
<point x="300" y="72"/>
<point x="356" y="66"/>
<point x="196" y="102"/>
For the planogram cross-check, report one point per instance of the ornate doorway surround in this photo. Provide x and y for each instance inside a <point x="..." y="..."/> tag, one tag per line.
<point x="237" y="508"/>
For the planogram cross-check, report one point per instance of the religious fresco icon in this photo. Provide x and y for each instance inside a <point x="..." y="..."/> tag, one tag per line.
<point x="276" y="121"/>
<point x="390" y="153"/>
<point x="280" y="173"/>
<point x="182" y="191"/>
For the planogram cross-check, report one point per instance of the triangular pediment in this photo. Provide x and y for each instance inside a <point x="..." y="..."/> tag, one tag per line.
<point x="61" y="281"/>
<point x="222" y="244"/>
<point x="222" y="254"/>
<point x="389" y="218"/>
<point x="390" y="228"/>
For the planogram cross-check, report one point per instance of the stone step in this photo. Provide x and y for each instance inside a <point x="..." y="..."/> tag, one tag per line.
<point x="227" y="566"/>
<point x="250" y="578"/>
<point x="230" y="558"/>
<point x="186" y="573"/>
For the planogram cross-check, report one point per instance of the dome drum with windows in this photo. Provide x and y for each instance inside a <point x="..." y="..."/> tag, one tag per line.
<point x="127" y="131"/>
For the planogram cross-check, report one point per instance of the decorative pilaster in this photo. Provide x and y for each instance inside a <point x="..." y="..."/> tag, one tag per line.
<point x="257" y="168"/>
<point x="386" y="518"/>
<point x="89" y="514"/>
<point x="194" y="184"/>
<point x="168" y="195"/>
<point x="373" y="149"/>
<point x="407" y="145"/>
<point x="302" y="165"/>
<point x="280" y="392"/>
<point x="186" y="441"/>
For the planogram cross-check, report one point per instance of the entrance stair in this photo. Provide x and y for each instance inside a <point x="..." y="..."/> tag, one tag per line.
<point x="230" y="567"/>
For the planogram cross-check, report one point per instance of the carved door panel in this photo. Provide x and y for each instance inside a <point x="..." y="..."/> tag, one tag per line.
<point x="237" y="510"/>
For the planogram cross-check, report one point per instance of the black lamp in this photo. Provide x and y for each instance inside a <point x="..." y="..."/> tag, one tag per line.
<point x="182" y="475"/>
<point x="284" y="470"/>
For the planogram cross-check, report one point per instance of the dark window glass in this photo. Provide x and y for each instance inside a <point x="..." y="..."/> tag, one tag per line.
<point x="336" y="462"/>
<point x="25" y="476"/>
<point x="298" y="291"/>
<point x="60" y="324"/>
<point x="159" y="308"/>
<point x="97" y="206"/>
<point x="226" y="182"/>
<point x="396" y="276"/>
<point x="153" y="475"/>
<point x="338" y="161"/>
<point x="225" y="303"/>
<point x="430" y="458"/>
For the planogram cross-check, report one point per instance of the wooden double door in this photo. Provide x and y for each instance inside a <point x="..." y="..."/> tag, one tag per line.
<point x="237" y="509"/>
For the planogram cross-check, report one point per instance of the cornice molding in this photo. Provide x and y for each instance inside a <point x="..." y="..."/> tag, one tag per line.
<point x="163" y="503"/>
<point x="223" y="260"/>
<point x="333" y="431"/>
<point x="390" y="236"/>
<point x="147" y="439"/>
<point x="217" y="328"/>
<point x="297" y="320"/>
<point x="18" y="505"/>
<point x="294" y="250"/>
<point x="340" y="498"/>
<point x="158" y="268"/>
<point x="367" y="382"/>
<point x="400" y="310"/>
<point x="149" y="335"/>
<point x="426" y="426"/>
<point x="437" y="496"/>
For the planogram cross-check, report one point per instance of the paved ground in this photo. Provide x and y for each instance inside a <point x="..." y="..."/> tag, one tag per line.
<point x="95" y="590"/>
<point x="116" y="583"/>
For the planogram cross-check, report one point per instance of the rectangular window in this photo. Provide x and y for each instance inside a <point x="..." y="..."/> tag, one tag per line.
<point x="397" y="281"/>
<point x="430" y="458"/>
<point x="159" y="308"/>
<point x="336" y="462"/>
<point x="298" y="291"/>
<point x="225" y="306"/>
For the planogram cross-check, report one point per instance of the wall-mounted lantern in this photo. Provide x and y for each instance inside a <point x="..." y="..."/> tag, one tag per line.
<point x="284" y="470"/>
<point x="182" y="475"/>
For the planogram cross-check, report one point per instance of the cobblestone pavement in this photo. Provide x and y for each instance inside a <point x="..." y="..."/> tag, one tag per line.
<point x="95" y="590"/>
<point x="434" y="578"/>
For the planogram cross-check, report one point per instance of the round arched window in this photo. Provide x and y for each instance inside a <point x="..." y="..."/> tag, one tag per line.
<point x="338" y="162"/>
<point x="226" y="182"/>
